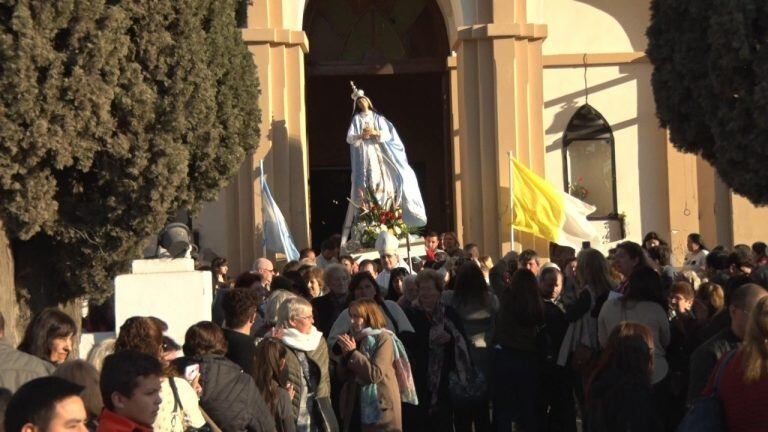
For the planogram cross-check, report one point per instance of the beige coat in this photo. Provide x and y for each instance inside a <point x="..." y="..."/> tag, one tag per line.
<point x="359" y="370"/>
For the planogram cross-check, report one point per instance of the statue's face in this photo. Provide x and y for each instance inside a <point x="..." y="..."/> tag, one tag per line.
<point x="363" y="104"/>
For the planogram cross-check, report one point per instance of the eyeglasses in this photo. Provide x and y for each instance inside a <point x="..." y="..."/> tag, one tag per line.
<point x="308" y="317"/>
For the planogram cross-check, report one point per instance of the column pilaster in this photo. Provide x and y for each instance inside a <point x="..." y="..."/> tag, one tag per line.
<point x="500" y="88"/>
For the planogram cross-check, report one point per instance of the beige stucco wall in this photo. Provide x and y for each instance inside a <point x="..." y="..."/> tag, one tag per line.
<point x="749" y="222"/>
<point x="592" y="26"/>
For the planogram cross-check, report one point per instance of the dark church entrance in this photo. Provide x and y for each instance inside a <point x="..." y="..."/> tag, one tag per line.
<point x="396" y="51"/>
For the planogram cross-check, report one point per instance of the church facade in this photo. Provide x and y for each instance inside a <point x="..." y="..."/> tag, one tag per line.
<point x="562" y="85"/>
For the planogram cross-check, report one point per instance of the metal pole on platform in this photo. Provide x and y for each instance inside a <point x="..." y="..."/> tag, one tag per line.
<point x="262" y="181"/>
<point x="511" y="202"/>
<point x="408" y="251"/>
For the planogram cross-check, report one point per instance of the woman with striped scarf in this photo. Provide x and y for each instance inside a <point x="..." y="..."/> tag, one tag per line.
<point x="376" y="372"/>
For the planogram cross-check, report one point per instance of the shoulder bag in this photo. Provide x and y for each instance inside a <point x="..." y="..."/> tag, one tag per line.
<point x="706" y="413"/>
<point x="179" y="408"/>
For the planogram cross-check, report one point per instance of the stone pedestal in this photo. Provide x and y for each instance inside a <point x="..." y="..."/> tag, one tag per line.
<point x="169" y="289"/>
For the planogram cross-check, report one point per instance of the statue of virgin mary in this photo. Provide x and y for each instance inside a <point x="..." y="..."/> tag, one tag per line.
<point x="379" y="165"/>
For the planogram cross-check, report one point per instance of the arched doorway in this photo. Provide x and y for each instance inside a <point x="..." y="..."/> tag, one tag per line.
<point x="396" y="51"/>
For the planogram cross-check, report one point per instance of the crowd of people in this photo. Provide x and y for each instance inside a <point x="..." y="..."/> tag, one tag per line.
<point x="449" y="342"/>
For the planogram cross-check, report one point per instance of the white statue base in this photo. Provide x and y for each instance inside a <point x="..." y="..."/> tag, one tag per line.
<point x="417" y="250"/>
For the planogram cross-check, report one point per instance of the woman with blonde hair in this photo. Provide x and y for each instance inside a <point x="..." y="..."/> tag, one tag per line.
<point x="581" y="347"/>
<point x="369" y="354"/>
<point x="743" y="384"/>
<point x="594" y="282"/>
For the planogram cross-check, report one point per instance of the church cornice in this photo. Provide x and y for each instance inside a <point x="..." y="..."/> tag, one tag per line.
<point x="276" y="36"/>
<point x="501" y="31"/>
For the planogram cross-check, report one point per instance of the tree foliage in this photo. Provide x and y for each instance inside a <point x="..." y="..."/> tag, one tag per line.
<point x="114" y="115"/>
<point x="710" y="82"/>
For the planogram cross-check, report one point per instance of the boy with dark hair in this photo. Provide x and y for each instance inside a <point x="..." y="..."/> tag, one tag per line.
<point x="329" y="251"/>
<point x="349" y="263"/>
<point x="48" y="404"/>
<point x="431" y="243"/>
<point x="240" y="313"/>
<point x="130" y="390"/>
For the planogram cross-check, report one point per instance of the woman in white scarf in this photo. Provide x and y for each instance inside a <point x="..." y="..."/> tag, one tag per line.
<point x="306" y="365"/>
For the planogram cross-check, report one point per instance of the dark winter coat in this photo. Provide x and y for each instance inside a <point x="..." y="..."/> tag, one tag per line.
<point x="241" y="349"/>
<point x="704" y="359"/>
<point x="325" y="310"/>
<point x="621" y="404"/>
<point x="230" y="397"/>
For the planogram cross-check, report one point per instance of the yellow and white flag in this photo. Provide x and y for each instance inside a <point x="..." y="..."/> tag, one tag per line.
<point x="544" y="211"/>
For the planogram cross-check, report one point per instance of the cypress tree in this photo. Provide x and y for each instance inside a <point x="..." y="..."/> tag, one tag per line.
<point x="113" y="116"/>
<point x="710" y="83"/>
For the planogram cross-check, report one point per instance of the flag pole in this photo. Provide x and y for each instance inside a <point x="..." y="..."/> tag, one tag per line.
<point x="511" y="202"/>
<point x="262" y="180"/>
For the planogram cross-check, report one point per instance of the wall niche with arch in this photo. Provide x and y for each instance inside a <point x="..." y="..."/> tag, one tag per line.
<point x="589" y="169"/>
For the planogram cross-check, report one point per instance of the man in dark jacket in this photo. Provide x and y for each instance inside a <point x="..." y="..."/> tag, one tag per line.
<point x="240" y="310"/>
<point x="501" y="273"/>
<point x="16" y="367"/>
<point x="705" y="357"/>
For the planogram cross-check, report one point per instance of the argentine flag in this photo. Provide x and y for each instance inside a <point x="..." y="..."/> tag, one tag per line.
<point x="277" y="238"/>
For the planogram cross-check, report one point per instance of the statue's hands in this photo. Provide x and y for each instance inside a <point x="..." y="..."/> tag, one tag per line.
<point x="367" y="132"/>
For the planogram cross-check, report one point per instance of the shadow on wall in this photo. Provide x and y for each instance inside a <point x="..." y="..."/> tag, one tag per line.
<point x="570" y="102"/>
<point x="286" y="151"/>
<point x="633" y="16"/>
<point x="651" y="159"/>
